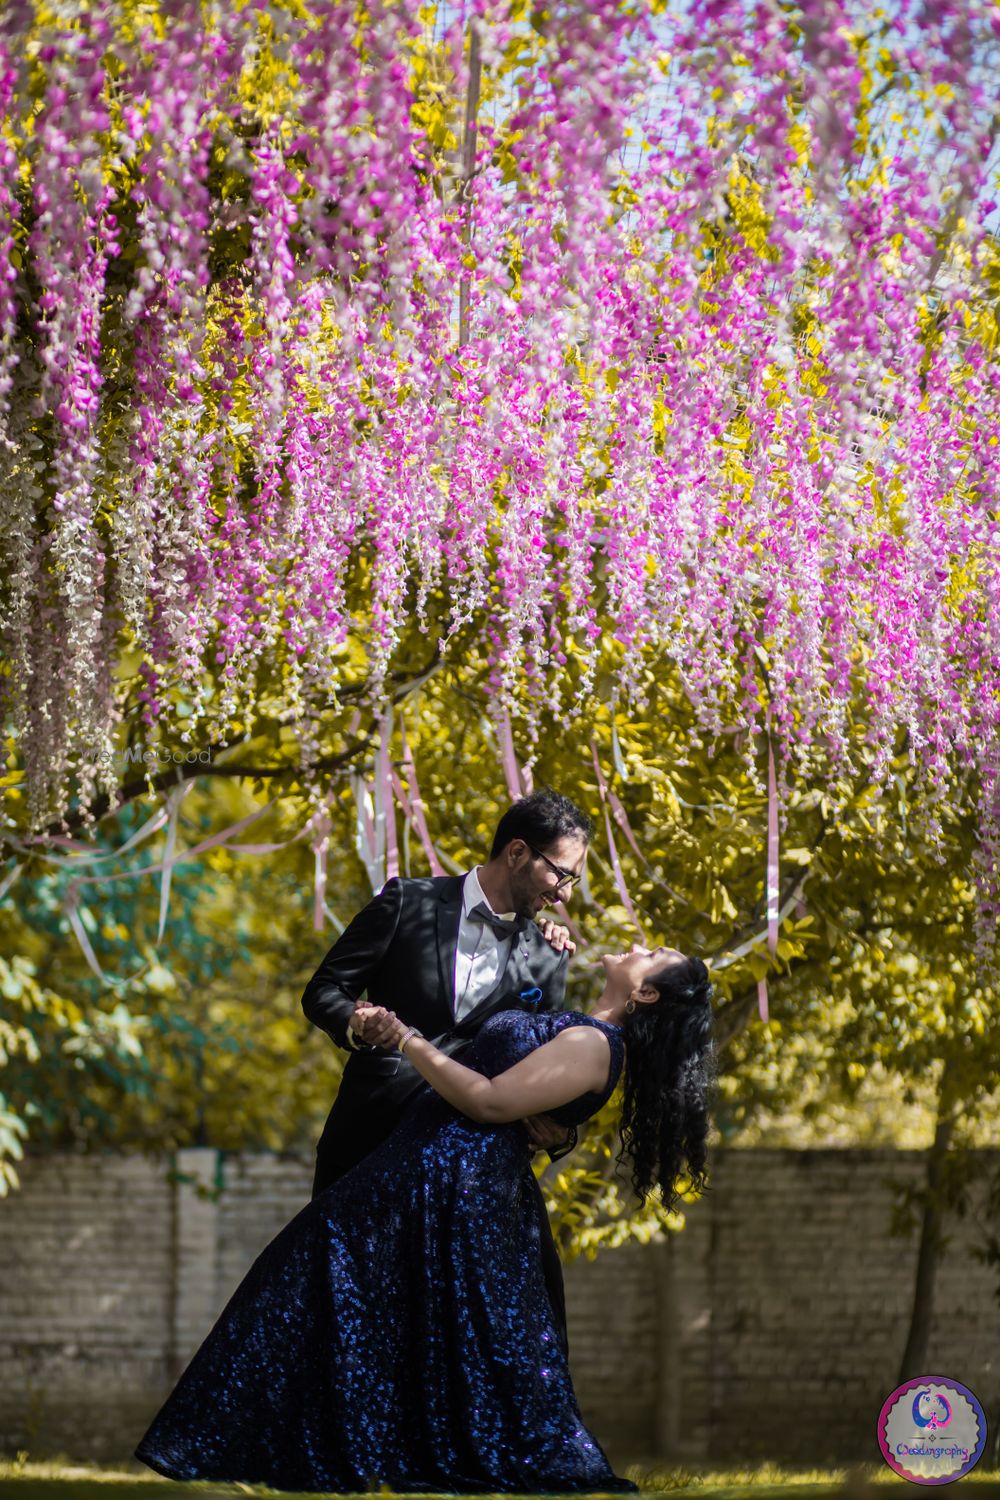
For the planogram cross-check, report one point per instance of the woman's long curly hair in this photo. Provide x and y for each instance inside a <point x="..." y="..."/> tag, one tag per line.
<point x="670" y="1071"/>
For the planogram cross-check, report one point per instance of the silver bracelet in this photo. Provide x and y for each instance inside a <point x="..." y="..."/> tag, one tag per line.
<point x="406" y="1037"/>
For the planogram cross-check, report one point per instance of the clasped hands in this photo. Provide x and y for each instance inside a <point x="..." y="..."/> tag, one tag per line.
<point x="379" y="1027"/>
<point x="376" y="1026"/>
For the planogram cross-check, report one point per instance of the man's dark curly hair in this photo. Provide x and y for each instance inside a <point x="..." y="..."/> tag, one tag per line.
<point x="669" y="1078"/>
<point x="541" y="819"/>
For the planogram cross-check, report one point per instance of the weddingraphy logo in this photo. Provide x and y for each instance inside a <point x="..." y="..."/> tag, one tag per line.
<point x="932" y="1430"/>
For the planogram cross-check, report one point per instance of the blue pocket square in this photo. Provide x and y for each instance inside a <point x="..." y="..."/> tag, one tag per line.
<point x="532" y="998"/>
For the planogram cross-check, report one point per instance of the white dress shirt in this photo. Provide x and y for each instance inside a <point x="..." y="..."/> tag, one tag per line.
<point x="480" y="957"/>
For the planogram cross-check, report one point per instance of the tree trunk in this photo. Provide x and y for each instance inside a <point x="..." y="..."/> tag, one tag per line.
<point x="929" y="1255"/>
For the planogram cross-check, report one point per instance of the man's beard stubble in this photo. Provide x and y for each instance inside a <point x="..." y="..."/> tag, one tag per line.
<point x="523" y="896"/>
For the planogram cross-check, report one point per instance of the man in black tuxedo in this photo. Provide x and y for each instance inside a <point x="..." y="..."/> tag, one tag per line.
<point x="444" y="954"/>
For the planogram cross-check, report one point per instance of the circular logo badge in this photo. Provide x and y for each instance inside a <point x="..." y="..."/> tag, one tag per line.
<point x="932" y="1430"/>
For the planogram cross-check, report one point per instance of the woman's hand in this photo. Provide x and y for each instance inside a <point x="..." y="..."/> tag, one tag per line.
<point x="378" y="1026"/>
<point x="557" y="936"/>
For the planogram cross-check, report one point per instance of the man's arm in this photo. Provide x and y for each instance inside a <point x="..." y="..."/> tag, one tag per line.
<point x="330" y="995"/>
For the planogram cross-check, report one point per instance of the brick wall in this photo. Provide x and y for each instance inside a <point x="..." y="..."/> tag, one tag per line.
<point x="791" y="1302"/>
<point x="86" y="1301"/>
<point x="771" y="1327"/>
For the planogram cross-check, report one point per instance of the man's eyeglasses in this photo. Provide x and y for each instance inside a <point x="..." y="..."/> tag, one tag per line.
<point x="566" y="877"/>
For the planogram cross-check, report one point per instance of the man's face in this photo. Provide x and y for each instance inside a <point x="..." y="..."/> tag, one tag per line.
<point x="539" y="879"/>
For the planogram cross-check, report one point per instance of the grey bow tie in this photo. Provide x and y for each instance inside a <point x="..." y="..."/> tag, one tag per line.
<point x="500" y="925"/>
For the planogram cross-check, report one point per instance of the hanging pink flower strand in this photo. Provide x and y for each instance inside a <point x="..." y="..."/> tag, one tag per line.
<point x="721" y="386"/>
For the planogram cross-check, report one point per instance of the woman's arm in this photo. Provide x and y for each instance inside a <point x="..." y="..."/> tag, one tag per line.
<point x="575" y="1062"/>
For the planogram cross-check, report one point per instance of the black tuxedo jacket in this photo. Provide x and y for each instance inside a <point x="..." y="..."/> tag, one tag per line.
<point x="400" y="949"/>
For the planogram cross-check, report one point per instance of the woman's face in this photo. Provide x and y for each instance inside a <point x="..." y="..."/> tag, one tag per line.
<point x="628" y="971"/>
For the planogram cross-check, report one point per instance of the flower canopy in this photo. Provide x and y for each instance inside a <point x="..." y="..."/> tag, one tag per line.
<point x="599" y="335"/>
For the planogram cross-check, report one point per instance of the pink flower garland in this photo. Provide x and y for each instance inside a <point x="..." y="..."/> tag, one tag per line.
<point x="728" y="397"/>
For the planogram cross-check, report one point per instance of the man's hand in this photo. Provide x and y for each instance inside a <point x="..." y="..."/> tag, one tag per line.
<point x="375" y="1025"/>
<point x="556" y="935"/>
<point x="544" y="1134"/>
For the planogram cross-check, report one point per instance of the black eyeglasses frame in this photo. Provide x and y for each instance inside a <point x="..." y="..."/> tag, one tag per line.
<point x="566" y="877"/>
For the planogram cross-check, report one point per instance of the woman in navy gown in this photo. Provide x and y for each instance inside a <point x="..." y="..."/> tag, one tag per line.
<point x="398" y="1333"/>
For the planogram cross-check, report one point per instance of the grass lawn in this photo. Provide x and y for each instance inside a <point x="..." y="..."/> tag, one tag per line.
<point x="65" y="1480"/>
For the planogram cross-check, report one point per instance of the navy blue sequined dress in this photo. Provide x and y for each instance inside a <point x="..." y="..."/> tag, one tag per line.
<point x="398" y="1331"/>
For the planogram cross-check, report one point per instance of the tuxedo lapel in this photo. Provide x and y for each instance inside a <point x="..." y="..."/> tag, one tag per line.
<point x="517" y="975"/>
<point x="449" y="916"/>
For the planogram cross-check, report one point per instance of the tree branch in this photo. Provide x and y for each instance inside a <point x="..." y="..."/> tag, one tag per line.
<point x="172" y="776"/>
<point x="792" y="892"/>
<point x="733" y="1019"/>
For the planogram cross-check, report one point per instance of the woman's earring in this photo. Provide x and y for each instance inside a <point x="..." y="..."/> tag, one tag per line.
<point x="630" y="1007"/>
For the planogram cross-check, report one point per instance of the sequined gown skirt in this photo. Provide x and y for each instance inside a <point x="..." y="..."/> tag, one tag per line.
<point x="396" y="1333"/>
